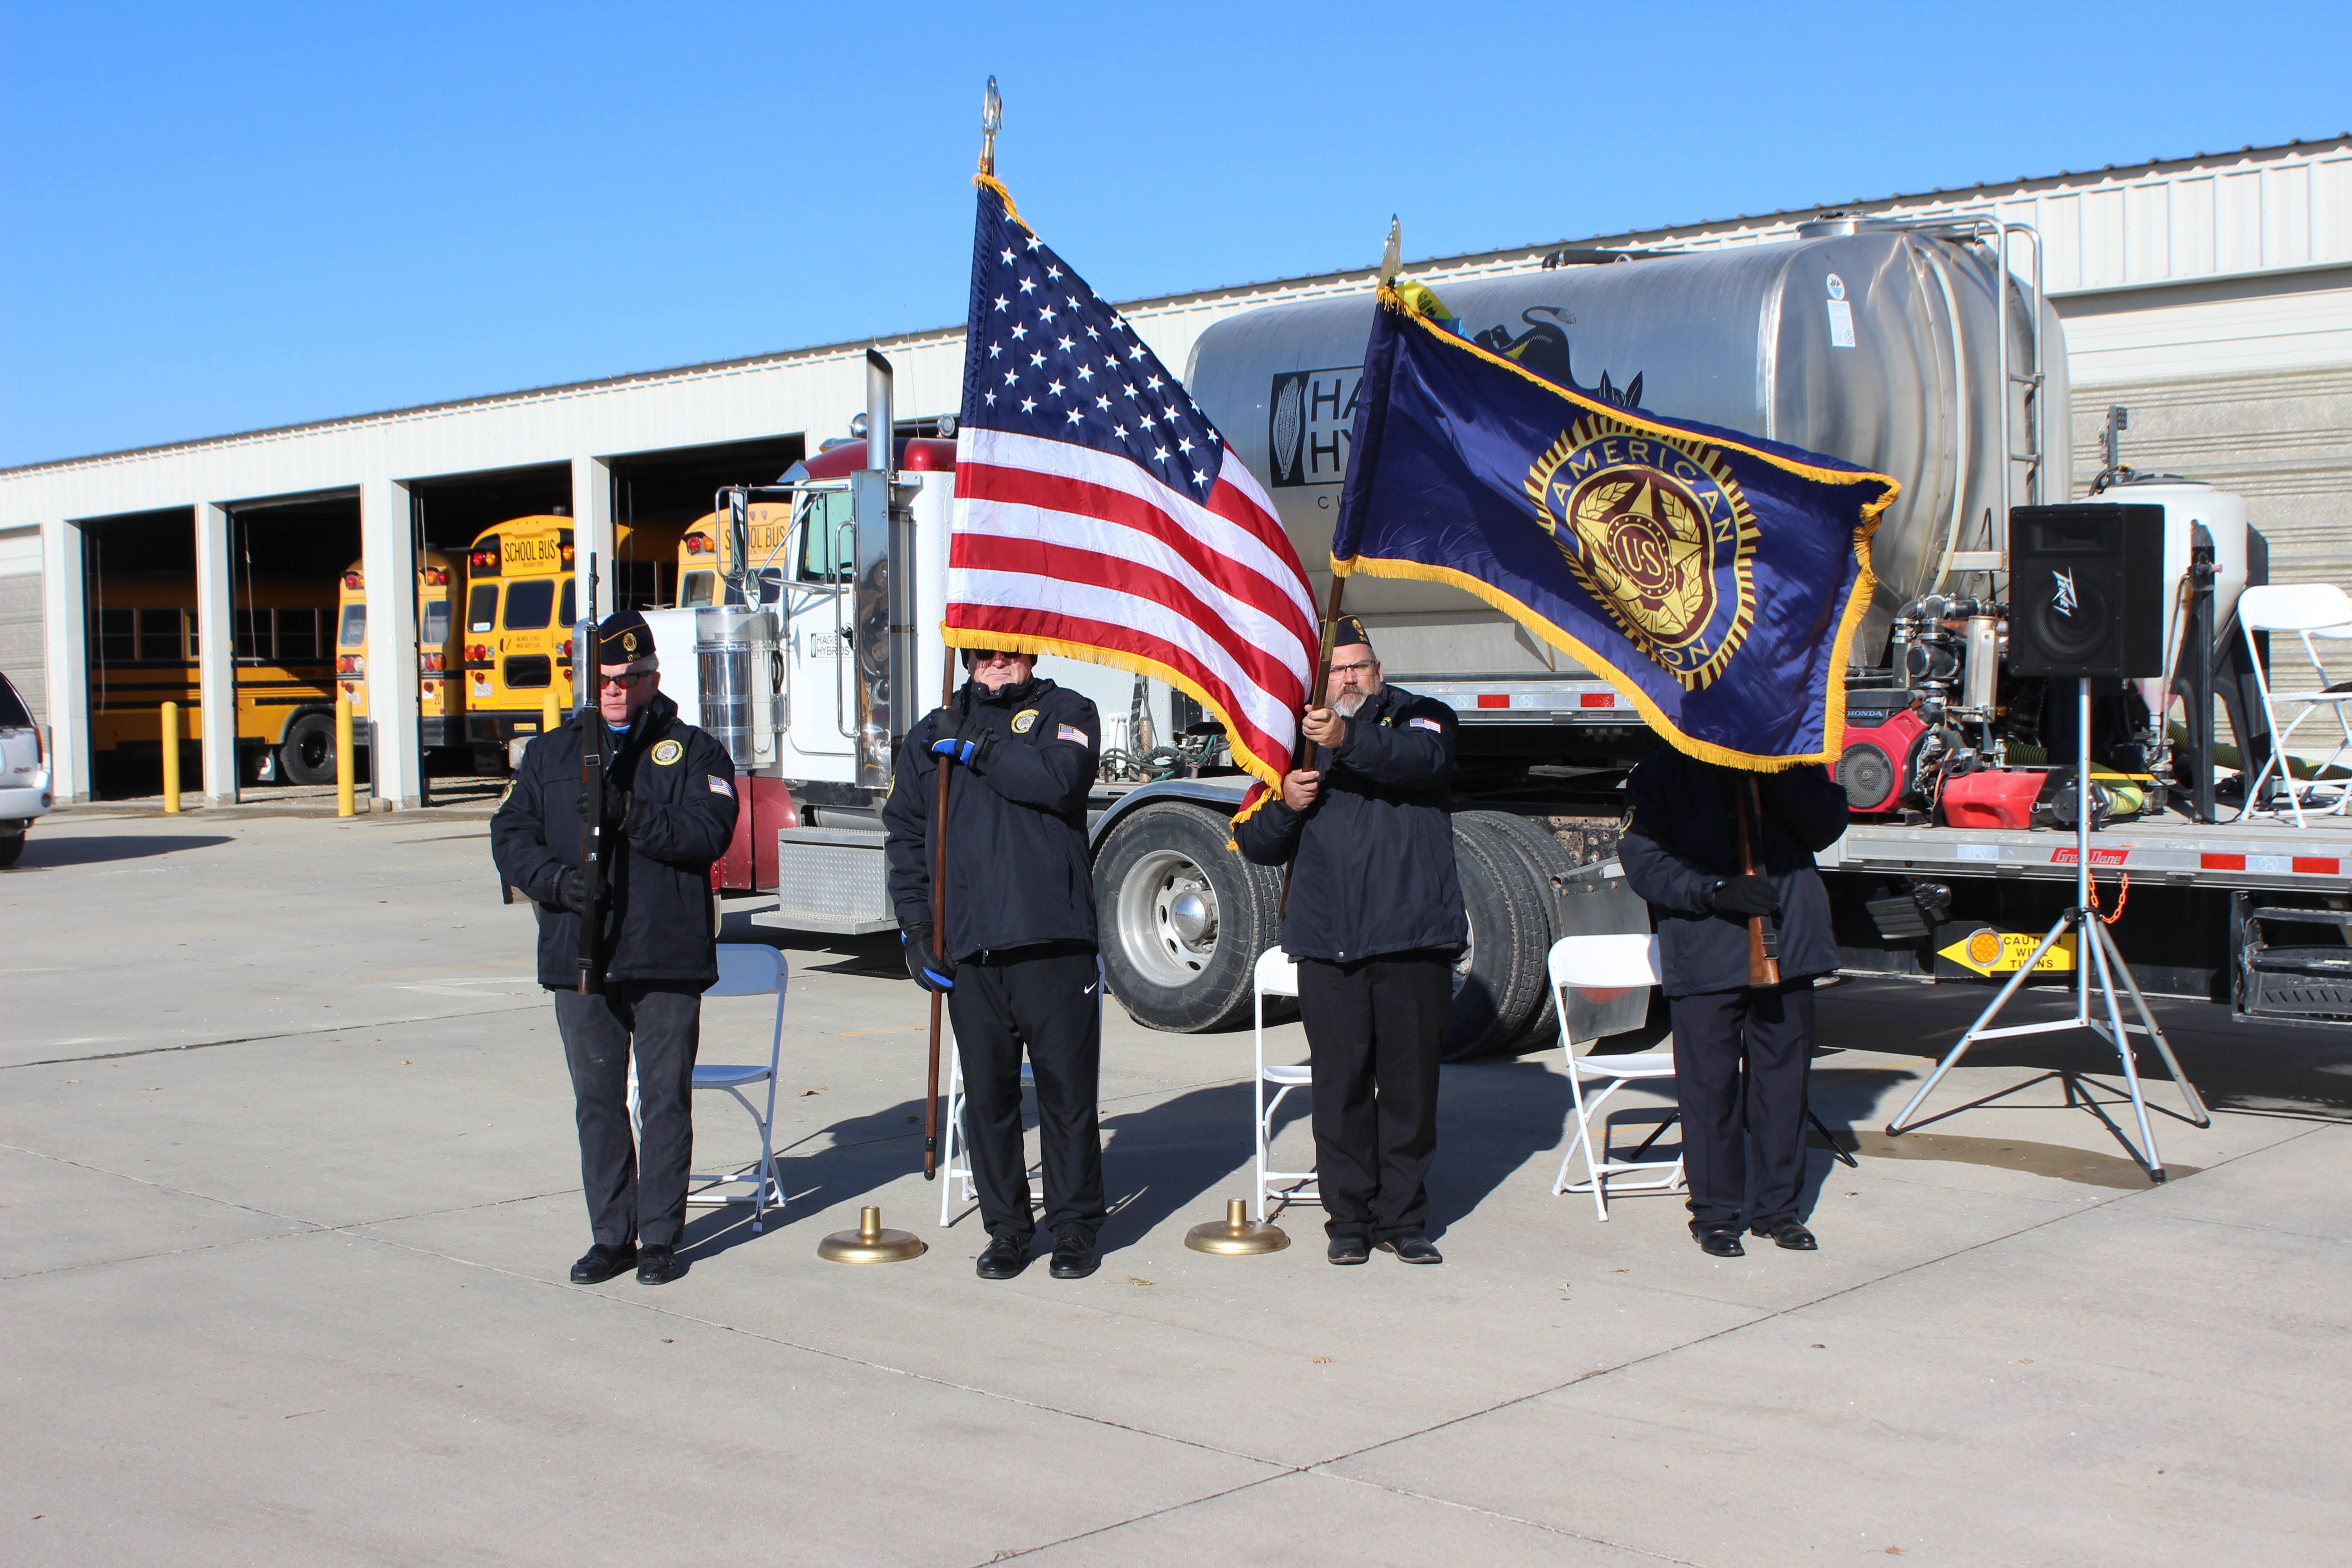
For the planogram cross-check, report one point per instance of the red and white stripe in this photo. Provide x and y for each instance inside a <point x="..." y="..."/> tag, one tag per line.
<point x="1060" y="542"/>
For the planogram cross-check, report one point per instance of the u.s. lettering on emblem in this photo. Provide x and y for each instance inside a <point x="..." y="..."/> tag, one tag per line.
<point x="1656" y="530"/>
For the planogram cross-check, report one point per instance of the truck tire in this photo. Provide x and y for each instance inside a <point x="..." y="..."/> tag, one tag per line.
<point x="12" y="846"/>
<point x="308" y="757"/>
<point x="1499" y="988"/>
<point x="1181" y="919"/>
<point x="1545" y="858"/>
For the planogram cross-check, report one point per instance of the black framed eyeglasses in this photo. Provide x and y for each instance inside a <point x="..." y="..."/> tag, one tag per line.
<point x="624" y="680"/>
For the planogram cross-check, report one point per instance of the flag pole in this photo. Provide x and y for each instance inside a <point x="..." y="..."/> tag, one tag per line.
<point x="939" y="925"/>
<point x="992" y="119"/>
<point x="1316" y="696"/>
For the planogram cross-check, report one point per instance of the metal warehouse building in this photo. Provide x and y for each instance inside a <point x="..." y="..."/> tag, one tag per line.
<point x="2212" y="295"/>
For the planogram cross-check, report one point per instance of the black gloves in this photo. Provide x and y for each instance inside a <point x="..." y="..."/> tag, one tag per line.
<point x="618" y="799"/>
<point x="571" y="890"/>
<point x="1745" y="897"/>
<point x="951" y="740"/>
<point x="930" y="972"/>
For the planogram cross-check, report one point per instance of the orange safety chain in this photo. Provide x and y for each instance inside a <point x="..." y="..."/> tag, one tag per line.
<point x="2123" y="896"/>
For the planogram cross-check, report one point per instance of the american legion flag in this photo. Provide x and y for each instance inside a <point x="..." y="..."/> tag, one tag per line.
<point x="1714" y="579"/>
<point x="1100" y="515"/>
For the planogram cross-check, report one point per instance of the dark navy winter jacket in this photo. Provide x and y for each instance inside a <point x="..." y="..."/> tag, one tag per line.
<point x="1681" y="838"/>
<point x="1375" y="868"/>
<point x="1018" y="871"/>
<point x="682" y="817"/>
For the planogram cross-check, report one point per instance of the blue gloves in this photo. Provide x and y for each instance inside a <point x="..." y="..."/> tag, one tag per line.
<point x="950" y="740"/>
<point x="930" y="972"/>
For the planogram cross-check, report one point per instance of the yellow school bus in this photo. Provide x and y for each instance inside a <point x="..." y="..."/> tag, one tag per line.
<point x="440" y="694"/>
<point x="144" y="642"/>
<point x="514" y="639"/>
<point x="703" y="559"/>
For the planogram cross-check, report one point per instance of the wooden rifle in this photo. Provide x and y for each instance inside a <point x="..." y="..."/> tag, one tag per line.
<point x="1763" y="939"/>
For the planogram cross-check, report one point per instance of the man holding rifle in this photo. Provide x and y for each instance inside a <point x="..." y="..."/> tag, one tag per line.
<point x="1724" y="859"/>
<point x="1017" y="956"/>
<point x="622" y="873"/>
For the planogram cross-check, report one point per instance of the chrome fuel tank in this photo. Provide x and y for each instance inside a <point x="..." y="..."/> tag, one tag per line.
<point x="1878" y="346"/>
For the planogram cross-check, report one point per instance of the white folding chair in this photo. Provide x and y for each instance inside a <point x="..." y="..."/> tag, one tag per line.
<point x="955" y="1177"/>
<point x="1277" y="975"/>
<point x="2309" y="610"/>
<point x="956" y="1185"/>
<point x="1610" y="963"/>
<point x="744" y="970"/>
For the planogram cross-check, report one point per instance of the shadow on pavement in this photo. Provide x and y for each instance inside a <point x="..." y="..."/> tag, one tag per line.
<point x="866" y="1152"/>
<point x="43" y="852"/>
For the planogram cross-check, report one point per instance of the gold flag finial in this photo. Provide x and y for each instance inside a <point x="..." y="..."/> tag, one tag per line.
<point x="1392" y="260"/>
<point x="991" y="117"/>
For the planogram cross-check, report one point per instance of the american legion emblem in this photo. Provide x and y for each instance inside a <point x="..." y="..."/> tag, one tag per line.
<point x="1656" y="530"/>
<point x="1025" y="720"/>
<point x="668" y="751"/>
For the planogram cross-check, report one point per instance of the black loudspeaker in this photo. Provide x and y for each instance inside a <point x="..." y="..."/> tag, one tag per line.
<point x="2086" y="590"/>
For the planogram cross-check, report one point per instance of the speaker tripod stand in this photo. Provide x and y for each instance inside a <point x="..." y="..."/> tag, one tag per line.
<point x="2094" y="950"/>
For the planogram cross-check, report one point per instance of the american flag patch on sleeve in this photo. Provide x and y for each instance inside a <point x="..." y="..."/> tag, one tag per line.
<point x="1428" y="724"/>
<point x="720" y="785"/>
<point x="1072" y="733"/>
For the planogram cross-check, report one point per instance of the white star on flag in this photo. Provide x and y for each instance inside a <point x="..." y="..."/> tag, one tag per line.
<point x="1075" y="533"/>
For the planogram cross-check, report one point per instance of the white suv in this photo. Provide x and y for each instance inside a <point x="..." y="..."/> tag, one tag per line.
<point x="24" y="790"/>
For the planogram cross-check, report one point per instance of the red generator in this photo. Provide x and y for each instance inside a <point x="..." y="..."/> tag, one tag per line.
<point x="1882" y="733"/>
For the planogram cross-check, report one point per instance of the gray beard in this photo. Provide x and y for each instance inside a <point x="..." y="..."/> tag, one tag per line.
<point x="1347" y="704"/>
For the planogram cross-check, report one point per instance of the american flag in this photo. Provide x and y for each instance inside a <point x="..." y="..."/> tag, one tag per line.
<point x="1100" y="515"/>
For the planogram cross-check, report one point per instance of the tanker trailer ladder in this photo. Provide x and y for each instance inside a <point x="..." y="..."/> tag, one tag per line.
<point x="2082" y="920"/>
<point x="2034" y="381"/>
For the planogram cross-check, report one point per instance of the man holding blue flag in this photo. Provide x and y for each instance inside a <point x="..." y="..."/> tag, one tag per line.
<point x="1716" y="580"/>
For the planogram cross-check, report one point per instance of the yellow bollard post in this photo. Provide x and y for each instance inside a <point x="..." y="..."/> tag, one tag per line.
<point x="343" y="751"/>
<point x="172" y="758"/>
<point x="551" y="713"/>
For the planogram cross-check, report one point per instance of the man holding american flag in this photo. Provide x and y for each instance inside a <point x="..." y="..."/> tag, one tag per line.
<point x="1101" y="517"/>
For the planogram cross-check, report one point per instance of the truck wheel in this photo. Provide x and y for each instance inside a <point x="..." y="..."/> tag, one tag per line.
<point x="308" y="757"/>
<point x="11" y="845"/>
<point x="1183" y="919"/>
<point x="1545" y="858"/>
<point x="1501" y="977"/>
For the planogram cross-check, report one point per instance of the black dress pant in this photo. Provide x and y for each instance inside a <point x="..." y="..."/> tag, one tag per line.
<point x="634" y="1195"/>
<point x="1773" y="1029"/>
<point x="1375" y="1035"/>
<point x="1048" y="999"/>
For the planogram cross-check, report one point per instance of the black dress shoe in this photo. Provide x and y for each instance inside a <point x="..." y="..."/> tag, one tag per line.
<point x="601" y="1262"/>
<point x="657" y="1265"/>
<point x="1718" y="1240"/>
<point x="1349" y="1246"/>
<point x="1003" y="1257"/>
<point x="1074" y="1258"/>
<point x="1787" y="1233"/>
<point x="1412" y="1246"/>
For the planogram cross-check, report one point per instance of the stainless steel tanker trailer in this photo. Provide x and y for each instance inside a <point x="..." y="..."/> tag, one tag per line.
<point x="1909" y="349"/>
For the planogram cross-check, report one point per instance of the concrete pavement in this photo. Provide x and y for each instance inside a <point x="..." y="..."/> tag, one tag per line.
<point x="291" y="1192"/>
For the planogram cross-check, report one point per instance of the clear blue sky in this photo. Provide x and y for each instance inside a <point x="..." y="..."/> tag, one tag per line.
<point x="232" y="214"/>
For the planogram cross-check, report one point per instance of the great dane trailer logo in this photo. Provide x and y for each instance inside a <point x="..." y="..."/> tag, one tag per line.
<point x="1656" y="530"/>
<point x="1309" y="416"/>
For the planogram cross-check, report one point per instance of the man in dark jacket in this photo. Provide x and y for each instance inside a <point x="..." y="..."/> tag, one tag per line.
<point x="1017" y="959"/>
<point x="1375" y="922"/>
<point x="669" y="811"/>
<point x="1681" y="853"/>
